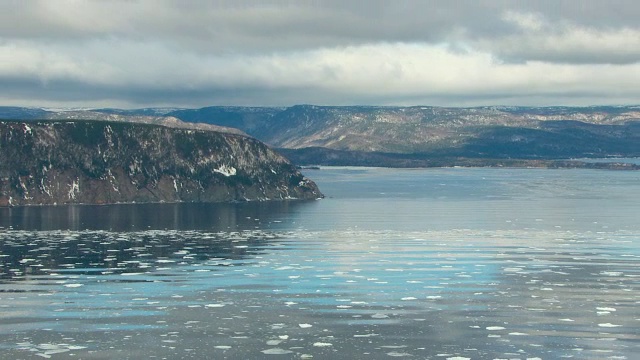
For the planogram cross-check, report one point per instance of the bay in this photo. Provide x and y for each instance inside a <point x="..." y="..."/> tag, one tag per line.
<point x="424" y="263"/>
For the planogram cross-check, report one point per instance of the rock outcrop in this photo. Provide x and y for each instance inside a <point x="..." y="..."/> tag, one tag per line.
<point x="97" y="162"/>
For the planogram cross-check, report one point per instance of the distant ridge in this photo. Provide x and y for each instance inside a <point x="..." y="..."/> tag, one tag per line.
<point x="416" y="135"/>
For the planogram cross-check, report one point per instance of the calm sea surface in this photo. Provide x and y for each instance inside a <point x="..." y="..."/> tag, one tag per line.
<point x="424" y="264"/>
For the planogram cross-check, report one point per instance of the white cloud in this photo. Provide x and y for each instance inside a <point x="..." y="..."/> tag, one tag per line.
<point x="281" y="53"/>
<point x="563" y="42"/>
<point x="374" y="71"/>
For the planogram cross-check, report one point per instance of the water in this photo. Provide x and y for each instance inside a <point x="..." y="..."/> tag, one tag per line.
<point x="425" y="264"/>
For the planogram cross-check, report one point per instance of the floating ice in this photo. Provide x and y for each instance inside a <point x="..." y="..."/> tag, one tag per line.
<point x="305" y="326"/>
<point x="379" y="316"/>
<point x="322" y="344"/>
<point x="494" y="328"/>
<point x="214" y="305"/>
<point x="609" y="309"/>
<point x="276" y="351"/>
<point x="364" y="335"/>
<point x="72" y="285"/>
<point x="398" y="354"/>
<point x="609" y="325"/>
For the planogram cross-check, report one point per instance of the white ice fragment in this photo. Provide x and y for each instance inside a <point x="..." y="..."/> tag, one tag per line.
<point x="273" y="342"/>
<point x="56" y="351"/>
<point x="408" y="298"/>
<point x="398" y="354"/>
<point x="214" y="305"/>
<point x="494" y="328"/>
<point x="611" y="273"/>
<point x="606" y="309"/>
<point x="276" y="351"/>
<point x="364" y="335"/>
<point x="222" y="347"/>
<point x="305" y="326"/>
<point x="76" y="347"/>
<point x="609" y="325"/>
<point x="322" y="344"/>
<point x="72" y="285"/>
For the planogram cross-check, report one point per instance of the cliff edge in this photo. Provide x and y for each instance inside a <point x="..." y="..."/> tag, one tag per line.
<point x="98" y="162"/>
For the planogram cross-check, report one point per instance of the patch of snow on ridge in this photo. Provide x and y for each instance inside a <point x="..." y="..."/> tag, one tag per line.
<point x="226" y="170"/>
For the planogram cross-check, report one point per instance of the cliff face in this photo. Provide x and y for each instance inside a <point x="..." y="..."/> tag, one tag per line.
<point x="95" y="162"/>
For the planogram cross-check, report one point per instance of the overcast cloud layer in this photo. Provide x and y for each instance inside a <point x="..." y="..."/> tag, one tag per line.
<point x="198" y="53"/>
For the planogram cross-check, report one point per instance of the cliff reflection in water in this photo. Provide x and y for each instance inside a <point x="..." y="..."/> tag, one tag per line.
<point x="124" y="239"/>
<point x="130" y="217"/>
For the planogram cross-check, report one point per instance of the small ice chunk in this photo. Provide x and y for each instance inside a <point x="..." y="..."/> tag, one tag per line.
<point x="609" y="325"/>
<point x="72" y="285"/>
<point x="322" y="344"/>
<point x="214" y="305"/>
<point x="276" y="351"/>
<point x="606" y="309"/>
<point x="494" y="328"/>
<point x="305" y="326"/>
<point x="398" y="354"/>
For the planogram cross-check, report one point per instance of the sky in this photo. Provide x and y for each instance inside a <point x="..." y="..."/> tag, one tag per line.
<point x="165" y="53"/>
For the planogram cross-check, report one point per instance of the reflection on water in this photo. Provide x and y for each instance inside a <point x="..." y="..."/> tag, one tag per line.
<point x="127" y="217"/>
<point x="342" y="278"/>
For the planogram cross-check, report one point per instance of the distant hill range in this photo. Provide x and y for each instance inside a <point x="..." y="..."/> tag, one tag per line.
<point x="408" y="136"/>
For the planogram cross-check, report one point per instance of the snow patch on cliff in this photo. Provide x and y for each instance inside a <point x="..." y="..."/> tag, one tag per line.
<point x="226" y="170"/>
<point x="74" y="189"/>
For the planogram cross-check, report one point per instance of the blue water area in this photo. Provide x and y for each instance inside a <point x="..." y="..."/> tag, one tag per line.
<point x="458" y="263"/>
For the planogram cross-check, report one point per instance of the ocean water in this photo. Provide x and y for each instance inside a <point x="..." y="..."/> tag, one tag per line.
<point x="422" y="264"/>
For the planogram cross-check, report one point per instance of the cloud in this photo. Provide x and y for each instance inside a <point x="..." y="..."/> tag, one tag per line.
<point x="197" y="53"/>
<point x="538" y="39"/>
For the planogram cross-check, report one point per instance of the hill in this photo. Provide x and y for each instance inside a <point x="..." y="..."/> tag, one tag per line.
<point x="98" y="162"/>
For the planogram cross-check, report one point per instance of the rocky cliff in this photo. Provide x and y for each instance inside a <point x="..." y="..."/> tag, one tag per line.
<point x="97" y="162"/>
